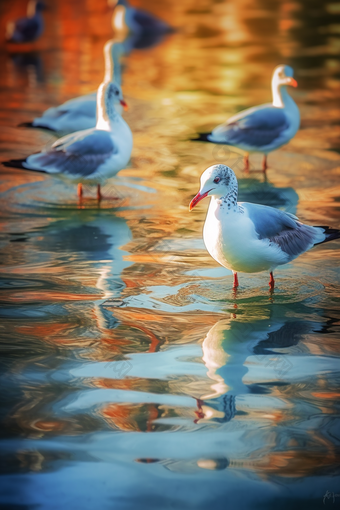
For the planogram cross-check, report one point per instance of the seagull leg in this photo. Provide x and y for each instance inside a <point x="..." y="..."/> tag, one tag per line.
<point x="271" y="280"/>
<point x="264" y="163"/>
<point x="80" y="190"/>
<point x="235" y="285"/>
<point x="99" y="195"/>
<point x="246" y="162"/>
<point x="199" y="413"/>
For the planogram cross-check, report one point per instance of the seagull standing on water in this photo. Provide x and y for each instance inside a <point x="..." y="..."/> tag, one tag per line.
<point x="262" y="128"/>
<point x="250" y="238"/>
<point x="80" y="113"/>
<point x="27" y="29"/>
<point x="90" y="156"/>
<point x="128" y="18"/>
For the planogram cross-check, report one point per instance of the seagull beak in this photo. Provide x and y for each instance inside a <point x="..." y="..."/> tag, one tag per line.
<point x="124" y="105"/>
<point x="292" y="82"/>
<point x="197" y="199"/>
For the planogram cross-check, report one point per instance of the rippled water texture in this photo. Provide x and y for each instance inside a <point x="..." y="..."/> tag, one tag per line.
<point x="133" y="377"/>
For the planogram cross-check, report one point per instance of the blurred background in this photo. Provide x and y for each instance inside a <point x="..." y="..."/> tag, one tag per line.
<point x="132" y="375"/>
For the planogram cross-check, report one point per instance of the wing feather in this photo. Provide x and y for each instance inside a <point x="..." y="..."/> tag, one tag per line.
<point x="78" y="154"/>
<point x="283" y="229"/>
<point x="256" y="127"/>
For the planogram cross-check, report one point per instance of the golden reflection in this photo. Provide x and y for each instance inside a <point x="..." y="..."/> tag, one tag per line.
<point x="138" y="418"/>
<point x="97" y="286"/>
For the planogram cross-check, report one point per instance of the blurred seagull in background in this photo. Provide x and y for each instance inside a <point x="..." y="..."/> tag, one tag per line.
<point x="249" y="237"/>
<point x="262" y="128"/>
<point x="129" y="19"/>
<point x="27" y="29"/>
<point x="81" y="112"/>
<point x="90" y="156"/>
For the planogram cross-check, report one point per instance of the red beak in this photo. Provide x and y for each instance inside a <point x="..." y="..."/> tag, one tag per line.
<point x="124" y="105"/>
<point x="292" y="82"/>
<point x="197" y="199"/>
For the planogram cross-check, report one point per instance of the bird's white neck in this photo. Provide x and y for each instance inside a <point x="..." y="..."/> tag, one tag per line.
<point x="281" y="97"/>
<point x="32" y="9"/>
<point x="118" y="19"/>
<point x="106" y="112"/>
<point x="229" y="201"/>
<point x="109" y="59"/>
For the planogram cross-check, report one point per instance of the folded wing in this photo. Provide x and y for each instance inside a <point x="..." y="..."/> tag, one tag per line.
<point x="79" y="154"/>
<point x="256" y="127"/>
<point x="283" y="229"/>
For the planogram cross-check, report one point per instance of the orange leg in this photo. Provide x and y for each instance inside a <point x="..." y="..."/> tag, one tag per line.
<point x="152" y="415"/>
<point x="235" y="285"/>
<point x="271" y="280"/>
<point x="99" y="195"/>
<point x="246" y="162"/>
<point x="264" y="163"/>
<point x="80" y="190"/>
<point x="199" y="413"/>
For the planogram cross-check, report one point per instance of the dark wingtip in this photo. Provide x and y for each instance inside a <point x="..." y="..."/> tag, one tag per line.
<point x="18" y="163"/>
<point x="25" y="124"/>
<point x="14" y="163"/>
<point x="30" y="125"/>
<point x="201" y="137"/>
<point x="331" y="233"/>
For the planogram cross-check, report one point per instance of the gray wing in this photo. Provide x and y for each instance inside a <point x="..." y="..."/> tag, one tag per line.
<point x="257" y="127"/>
<point x="89" y="141"/>
<point x="283" y="229"/>
<point x="86" y="106"/>
<point x="79" y="154"/>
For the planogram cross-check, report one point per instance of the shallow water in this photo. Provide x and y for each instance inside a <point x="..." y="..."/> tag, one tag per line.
<point x="132" y="375"/>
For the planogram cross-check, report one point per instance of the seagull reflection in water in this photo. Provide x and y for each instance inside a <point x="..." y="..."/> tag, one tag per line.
<point x="237" y="345"/>
<point x="96" y="239"/>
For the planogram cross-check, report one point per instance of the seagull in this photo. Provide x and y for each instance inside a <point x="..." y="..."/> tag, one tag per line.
<point x="262" y="128"/>
<point x="92" y="155"/>
<point x="137" y="21"/>
<point x="250" y="238"/>
<point x="80" y="113"/>
<point x="27" y="29"/>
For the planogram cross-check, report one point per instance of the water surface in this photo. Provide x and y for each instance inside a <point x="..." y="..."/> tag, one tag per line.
<point x="133" y="376"/>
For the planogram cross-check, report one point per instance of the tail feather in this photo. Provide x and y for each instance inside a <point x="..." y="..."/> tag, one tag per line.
<point x="203" y="137"/>
<point x="26" y="124"/>
<point x="18" y="163"/>
<point x="331" y="234"/>
<point x="15" y="163"/>
<point x="30" y="125"/>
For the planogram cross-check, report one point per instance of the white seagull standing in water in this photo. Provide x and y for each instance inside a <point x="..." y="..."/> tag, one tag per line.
<point x="80" y="113"/>
<point x="137" y="21"/>
<point x="262" y="128"/>
<point x="90" y="156"/>
<point x="250" y="238"/>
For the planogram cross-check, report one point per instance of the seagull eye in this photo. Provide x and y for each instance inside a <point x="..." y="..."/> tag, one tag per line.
<point x="217" y="180"/>
<point x="116" y="92"/>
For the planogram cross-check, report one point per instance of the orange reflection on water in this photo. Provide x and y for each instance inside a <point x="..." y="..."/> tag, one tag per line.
<point x="218" y="62"/>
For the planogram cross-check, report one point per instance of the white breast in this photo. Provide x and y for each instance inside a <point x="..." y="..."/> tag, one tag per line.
<point x="231" y="239"/>
<point x="123" y="141"/>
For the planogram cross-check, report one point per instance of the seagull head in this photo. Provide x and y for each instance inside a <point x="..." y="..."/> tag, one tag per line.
<point x="114" y="94"/>
<point x="114" y="3"/>
<point x="35" y="6"/>
<point x="282" y="76"/>
<point x="40" y="6"/>
<point x="217" y="180"/>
